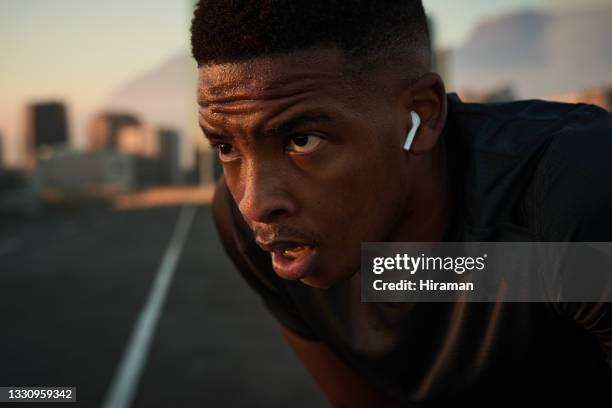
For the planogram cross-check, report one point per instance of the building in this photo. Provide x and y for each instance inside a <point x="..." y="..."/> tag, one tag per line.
<point x="169" y="155"/>
<point x="117" y="131"/>
<point x="48" y="125"/>
<point x="201" y="172"/>
<point x="70" y="172"/>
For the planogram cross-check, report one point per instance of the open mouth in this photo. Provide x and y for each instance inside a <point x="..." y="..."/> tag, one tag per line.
<point x="294" y="262"/>
<point x="295" y="252"/>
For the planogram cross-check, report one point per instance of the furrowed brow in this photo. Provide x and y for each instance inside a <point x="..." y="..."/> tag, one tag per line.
<point x="303" y="119"/>
<point x="213" y="136"/>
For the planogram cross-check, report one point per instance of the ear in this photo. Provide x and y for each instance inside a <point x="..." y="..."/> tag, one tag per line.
<point x="427" y="97"/>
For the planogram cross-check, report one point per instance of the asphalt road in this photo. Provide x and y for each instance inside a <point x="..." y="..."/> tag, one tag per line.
<point x="73" y="284"/>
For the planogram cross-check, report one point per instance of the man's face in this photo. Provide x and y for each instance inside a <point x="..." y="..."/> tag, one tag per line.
<point x="313" y="158"/>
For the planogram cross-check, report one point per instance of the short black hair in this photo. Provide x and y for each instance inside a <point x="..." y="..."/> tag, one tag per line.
<point x="367" y="30"/>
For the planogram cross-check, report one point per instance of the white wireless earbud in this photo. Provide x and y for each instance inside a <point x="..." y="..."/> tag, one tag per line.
<point x="416" y="121"/>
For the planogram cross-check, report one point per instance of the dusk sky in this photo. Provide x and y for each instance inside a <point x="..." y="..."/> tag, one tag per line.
<point x="80" y="51"/>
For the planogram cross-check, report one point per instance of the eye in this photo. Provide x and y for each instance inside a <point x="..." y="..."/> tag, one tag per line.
<point x="227" y="152"/>
<point x="303" y="143"/>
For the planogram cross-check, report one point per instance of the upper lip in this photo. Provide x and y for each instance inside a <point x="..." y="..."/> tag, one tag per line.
<point x="281" y="244"/>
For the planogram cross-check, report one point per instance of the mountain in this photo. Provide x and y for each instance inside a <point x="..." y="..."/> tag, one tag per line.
<point x="164" y="96"/>
<point x="540" y="53"/>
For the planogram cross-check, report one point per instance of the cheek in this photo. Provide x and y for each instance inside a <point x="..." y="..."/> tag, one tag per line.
<point x="357" y="199"/>
<point x="231" y="174"/>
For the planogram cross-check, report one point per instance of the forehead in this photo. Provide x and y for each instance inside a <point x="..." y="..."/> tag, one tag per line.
<point x="271" y="76"/>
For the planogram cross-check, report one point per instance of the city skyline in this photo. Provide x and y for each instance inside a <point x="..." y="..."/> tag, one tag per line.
<point x="81" y="52"/>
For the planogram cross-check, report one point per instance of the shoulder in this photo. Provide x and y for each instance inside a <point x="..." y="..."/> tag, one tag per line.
<point x="515" y="128"/>
<point x="542" y="166"/>
<point x="571" y="191"/>
<point x="504" y="150"/>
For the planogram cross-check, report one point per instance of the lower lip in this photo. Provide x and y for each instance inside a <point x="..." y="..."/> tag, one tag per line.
<point x="294" y="269"/>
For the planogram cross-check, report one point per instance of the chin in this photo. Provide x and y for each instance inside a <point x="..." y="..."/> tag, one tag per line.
<point x="325" y="281"/>
<point x="316" y="282"/>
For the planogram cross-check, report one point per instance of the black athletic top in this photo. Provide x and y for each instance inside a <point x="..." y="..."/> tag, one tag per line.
<point x="521" y="171"/>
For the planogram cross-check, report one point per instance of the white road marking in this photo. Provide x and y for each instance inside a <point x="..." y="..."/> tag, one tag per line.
<point x="125" y="381"/>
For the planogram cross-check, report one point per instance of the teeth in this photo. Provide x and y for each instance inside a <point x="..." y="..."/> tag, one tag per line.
<point x="294" y="252"/>
<point x="287" y="254"/>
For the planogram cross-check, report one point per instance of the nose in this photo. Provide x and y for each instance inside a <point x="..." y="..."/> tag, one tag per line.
<point x="265" y="195"/>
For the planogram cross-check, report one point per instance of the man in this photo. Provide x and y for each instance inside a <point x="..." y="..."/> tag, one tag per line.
<point x="309" y="104"/>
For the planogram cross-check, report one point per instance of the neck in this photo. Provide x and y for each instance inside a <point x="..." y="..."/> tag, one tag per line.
<point x="430" y="200"/>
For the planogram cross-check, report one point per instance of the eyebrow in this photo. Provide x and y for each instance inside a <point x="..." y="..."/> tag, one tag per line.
<point x="289" y="126"/>
<point x="212" y="136"/>
<point x="303" y="119"/>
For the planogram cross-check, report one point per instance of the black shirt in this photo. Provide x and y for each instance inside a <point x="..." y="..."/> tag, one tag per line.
<point x="520" y="171"/>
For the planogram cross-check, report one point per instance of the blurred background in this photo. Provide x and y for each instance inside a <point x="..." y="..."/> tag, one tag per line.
<point x="111" y="276"/>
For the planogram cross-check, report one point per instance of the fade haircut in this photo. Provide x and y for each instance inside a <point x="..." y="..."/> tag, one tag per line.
<point x="367" y="32"/>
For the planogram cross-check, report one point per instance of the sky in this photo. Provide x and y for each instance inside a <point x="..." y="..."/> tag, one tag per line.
<point x="455" y="20"/>
<point x="80" y="51"/>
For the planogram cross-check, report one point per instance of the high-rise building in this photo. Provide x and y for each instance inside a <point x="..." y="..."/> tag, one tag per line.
<point x="201" y="173"/>
<point x="169" y="155"/>
<point x="115" y="130"/>
<point x="48" y="124"/>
